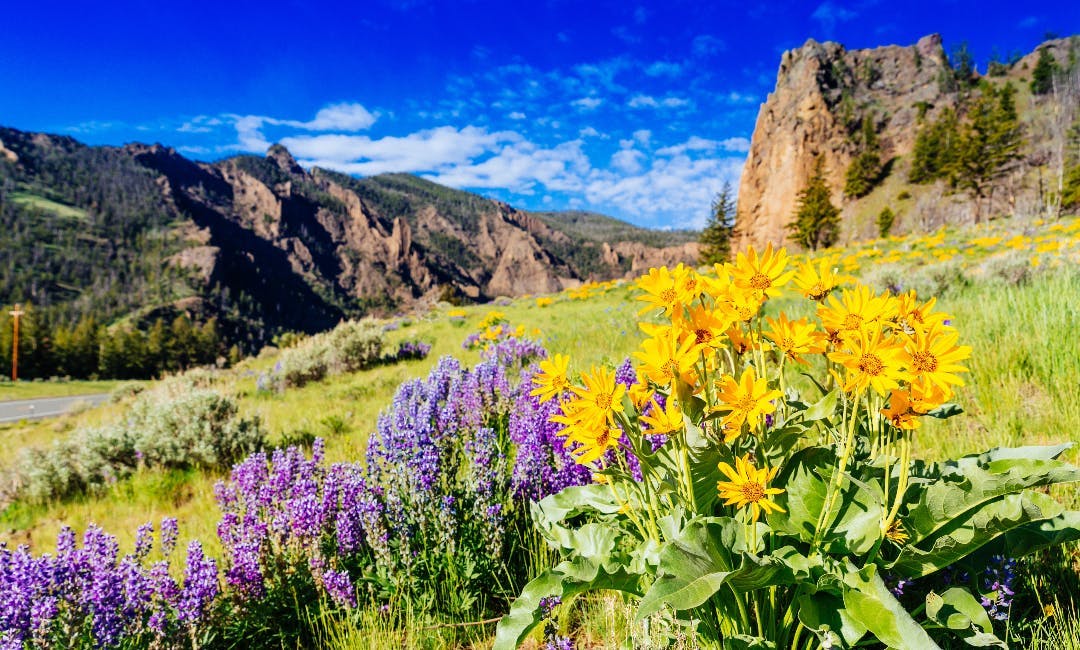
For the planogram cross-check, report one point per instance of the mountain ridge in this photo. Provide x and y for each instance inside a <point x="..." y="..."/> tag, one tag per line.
<point x="266" y="246"/>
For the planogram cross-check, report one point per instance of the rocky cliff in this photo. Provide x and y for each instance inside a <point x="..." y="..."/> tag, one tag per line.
<point x="823" y="92"/>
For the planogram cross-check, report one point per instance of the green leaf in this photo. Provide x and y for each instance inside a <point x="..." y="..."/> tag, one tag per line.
<point x="550" y="512"/>
<point x="969" y="482"/>
<point x="958" y="610"/>
<point x="1037" y="535"/>
<point x="869" y="602"/>
<point x="823" y="408"/>
<point x="857" y="512"/>
<point x="700" y="561"/>
<point x="972" y="529"/>
<point x="566" y="580"/>
<point x="824" y="615"/>
<point x="946" y="411"/>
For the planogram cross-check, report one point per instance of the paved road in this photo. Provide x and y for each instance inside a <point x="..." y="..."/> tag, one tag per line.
<point x="32" y="409"/>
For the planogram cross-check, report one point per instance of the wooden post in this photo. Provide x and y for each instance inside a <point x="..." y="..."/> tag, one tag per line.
<point x="15" y="344"/>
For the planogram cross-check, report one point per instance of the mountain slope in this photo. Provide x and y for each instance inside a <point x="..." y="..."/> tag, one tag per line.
<point x="266" y="246"/>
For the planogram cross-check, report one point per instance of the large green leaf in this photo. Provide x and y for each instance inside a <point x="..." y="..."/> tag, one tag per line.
<point x="958" y="610"/>
<point x="565" y="581"/>
<point x="824" y="615"/>
<point x="701" y="560"/>
<point x="1038" y="535"/>
<point x="969" y="482"/>
<point x="855" y="525"/>
<point x="870" y="603"/>
<point x="972" y="529"/>
<point x="550" y="512"/>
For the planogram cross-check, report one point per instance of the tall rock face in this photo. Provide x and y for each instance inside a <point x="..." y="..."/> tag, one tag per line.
<point x="822" y="94"/>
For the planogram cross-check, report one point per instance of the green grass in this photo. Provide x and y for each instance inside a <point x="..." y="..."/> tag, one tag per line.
<point x="34" y="389"/>
<point x="42" y="203"/>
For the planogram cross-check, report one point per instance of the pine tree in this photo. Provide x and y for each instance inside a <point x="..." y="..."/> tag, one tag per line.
<point x="885" y="221"/>
<point x="1042" y="77"/>
<point x="989" y="141"/>
<point x="817" y="220"/>
<point x="865" y="171"/>
<point x="716" y="237"/>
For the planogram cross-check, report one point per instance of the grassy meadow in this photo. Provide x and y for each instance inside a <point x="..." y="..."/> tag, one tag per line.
<point x="1012" y="290"/>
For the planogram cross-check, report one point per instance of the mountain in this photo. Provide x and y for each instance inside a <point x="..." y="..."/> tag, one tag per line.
<point x="266" y="246"/>
<point x="823" y="95"/>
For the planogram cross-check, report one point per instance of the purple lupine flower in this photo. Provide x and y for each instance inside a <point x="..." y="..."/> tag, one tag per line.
<point x="200" y="586"/>
<point x="559" y="643"/>
<point x="339" y="587"/>
<point x="169" y="533"/>
<point x="144" y="540"/>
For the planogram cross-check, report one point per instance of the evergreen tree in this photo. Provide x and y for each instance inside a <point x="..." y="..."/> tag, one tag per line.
<point x="963" y="64"/>
<point x="716" y="237"/>
<point x="865" y="170"/>
<point x="885" y="220"/>
<point x="1042" y="77"/>
<point x="817" y="220"/>
<point x="989" y="141"/>
<point x="935" y="149"/>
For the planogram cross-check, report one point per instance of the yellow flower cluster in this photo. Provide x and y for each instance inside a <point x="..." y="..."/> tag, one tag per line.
<point x="709" y="340"/>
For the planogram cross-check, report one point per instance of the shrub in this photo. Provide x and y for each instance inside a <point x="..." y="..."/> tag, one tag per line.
<point x="351" y="346"/>
<point x="165" y="428"/>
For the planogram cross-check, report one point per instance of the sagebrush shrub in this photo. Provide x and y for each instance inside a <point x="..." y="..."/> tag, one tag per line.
<point x="165" y="428"/>
<point x="351" y="346"/>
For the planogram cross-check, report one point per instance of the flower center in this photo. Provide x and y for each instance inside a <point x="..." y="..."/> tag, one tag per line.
<point x="667" y="295"/>
<point x="702" y="336"/>
<point x="760" y="281"/>
<point x="924" y="361"/>
<point x="671" y="368"/>
<point x="560" y="383"/>
<point x="752" y="491"/>
<point x="787" y="344"/>
<point x="871" y="364"/>
<point x="746" y="404"/>
<point x="689" y="285"/>
<point x="817" y="292"/>
<point x="852" y="322"/>
<point x="603" y="401"/>
<point x="603" y="437"/>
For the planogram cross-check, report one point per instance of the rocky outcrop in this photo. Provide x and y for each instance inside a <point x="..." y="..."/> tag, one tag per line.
<point x="822" y="93"/>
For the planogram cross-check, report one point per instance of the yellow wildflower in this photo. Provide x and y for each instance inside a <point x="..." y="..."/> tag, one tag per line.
<point x="857" y="310"/>
<point x="795" y="338"/>
<point x="932" y="356"/>
<point x="749" y="487"/>
<point x="747" y="400"/>
<point x="764" y="274"/>
<point x="551" y="381"/>
<point x="660" y="291"/>
<point x="667" y="358"/>
<point x="872" y="360"/>
<point x="817" y="280"/>
<point x="664" y="420"/>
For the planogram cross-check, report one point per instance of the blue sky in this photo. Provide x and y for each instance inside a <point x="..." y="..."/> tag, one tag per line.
<point x="638" y="110"/>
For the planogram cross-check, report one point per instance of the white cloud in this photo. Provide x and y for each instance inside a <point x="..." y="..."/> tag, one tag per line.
<point x="648" y="101"/>
<point x="587" y="103"/>
<point x="516" y="115"/>
<point x="627" y="161"/>
<point x="663" y="69"/>
<point x="643" y="101"/>
<point x="695" y="143"/>
<point x="590" y="132"/>
<point x="425" y="150"/>
<point x="339" y="117"/>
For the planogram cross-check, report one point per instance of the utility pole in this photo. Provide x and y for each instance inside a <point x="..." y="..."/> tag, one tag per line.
<point x="15" y="344"/>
